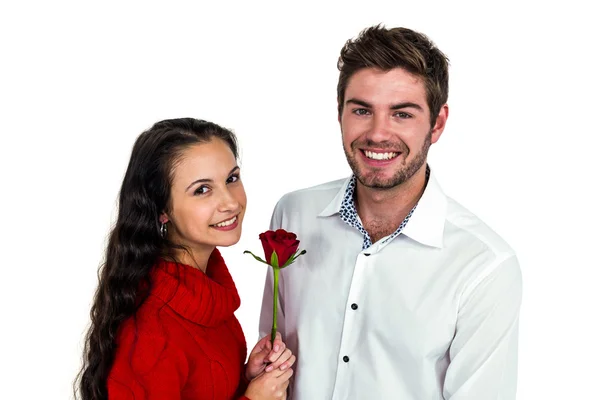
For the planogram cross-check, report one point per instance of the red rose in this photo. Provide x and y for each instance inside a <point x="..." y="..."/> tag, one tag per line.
<point x="282" y="242"/>
<point x="285" y="246"/>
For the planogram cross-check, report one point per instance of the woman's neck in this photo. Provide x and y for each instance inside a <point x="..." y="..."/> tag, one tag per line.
<point x="197" y="258"/>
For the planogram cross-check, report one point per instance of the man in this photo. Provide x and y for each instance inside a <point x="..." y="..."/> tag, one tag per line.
<point x="403" y="293"/>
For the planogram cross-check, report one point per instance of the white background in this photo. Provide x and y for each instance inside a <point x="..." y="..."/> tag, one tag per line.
<point x="79" y="82"/>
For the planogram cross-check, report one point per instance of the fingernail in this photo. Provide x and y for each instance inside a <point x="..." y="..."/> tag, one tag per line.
<point x="284" y="366"/>
<point x="276" y="348"/>
<point x="269" y="368"/>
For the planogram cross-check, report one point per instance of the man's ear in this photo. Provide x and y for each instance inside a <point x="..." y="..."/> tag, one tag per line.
<point x="440" y="124"/>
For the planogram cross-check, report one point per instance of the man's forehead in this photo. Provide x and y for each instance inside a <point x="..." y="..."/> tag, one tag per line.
<point x="377" y="81"/>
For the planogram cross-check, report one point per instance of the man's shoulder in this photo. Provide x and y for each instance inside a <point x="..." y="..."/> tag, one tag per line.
<point x="318" y="195"/>
<point x="481" y="253"/>
<point x="474" y="229"/>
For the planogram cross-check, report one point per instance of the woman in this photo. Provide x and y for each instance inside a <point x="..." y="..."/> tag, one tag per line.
<point x="163" y="324"/>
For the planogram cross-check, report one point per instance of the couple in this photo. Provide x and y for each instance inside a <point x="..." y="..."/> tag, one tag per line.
<point x="403" y="293"/>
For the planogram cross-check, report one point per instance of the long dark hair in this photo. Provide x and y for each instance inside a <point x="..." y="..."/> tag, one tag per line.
<point x="135" y="242"/>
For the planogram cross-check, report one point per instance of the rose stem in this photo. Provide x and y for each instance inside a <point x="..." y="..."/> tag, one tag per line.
<point x="275" y="295"/>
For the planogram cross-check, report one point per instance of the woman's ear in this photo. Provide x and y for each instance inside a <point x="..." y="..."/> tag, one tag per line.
<point x="164" y="218"/>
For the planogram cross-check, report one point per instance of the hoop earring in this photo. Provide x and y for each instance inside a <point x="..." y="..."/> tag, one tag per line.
<point x="163" y="230"/>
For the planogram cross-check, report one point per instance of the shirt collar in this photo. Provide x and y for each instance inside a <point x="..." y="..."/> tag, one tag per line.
<point x="427" y="222"/>
<point x="334" y="206"/>
<point x="426" y="225"/>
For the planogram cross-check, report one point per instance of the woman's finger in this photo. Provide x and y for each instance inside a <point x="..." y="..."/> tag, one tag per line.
<point x="283" y="358"/>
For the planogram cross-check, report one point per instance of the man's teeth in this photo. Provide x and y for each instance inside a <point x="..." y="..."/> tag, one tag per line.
<point x="380" y="156"/>
<point x="226" y="223"/>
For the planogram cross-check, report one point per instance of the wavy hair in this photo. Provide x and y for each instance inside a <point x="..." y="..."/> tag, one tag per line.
<point x="135" y="242"/>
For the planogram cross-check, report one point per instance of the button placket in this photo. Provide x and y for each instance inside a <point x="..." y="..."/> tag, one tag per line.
<point x="349" y="331"/>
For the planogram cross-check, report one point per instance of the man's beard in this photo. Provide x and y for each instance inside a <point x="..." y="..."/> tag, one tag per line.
<point x="404" y="173"/>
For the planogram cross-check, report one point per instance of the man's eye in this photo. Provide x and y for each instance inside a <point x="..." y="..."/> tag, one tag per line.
<point x="201" y="190"/>
<point x="361" y="111"/>
<point x="403" y="115"/>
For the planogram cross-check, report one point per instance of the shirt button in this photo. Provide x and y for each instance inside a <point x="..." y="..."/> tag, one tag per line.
<point x="354" y="306"/>
<point x="346" y="358"/>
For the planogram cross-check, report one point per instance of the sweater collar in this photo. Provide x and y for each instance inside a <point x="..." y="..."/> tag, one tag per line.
<point x="207" y="299"/>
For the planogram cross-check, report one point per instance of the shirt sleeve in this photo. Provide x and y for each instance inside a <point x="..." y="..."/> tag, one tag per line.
<point x="483" y="354"/>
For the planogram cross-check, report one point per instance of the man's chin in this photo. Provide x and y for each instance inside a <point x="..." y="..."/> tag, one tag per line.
<point x="377" y="182"/>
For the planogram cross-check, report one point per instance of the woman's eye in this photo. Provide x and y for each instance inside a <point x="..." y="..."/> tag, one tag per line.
<point x="233" y="178"/>
<point x="201" y="190"/>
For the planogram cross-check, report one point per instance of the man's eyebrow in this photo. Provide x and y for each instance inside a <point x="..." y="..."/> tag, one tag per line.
<point x="359" y="102"/>
<point x="405" y="104"/>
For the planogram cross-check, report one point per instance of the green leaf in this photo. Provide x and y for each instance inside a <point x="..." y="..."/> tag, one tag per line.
<point x="274" y="260"/>
<point x="293" y="258"/>
<point x="257" y="258"/>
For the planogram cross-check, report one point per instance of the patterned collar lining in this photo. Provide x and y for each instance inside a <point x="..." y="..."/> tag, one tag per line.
<point x="349" y="214"/>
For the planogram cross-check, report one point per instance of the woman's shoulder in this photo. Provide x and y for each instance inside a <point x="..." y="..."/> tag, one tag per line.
<point x="146" y="359"/>
<point x="145" y="336"/>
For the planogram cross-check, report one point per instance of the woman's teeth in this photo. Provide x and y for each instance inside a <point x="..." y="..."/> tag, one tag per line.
<point x="226" y="223"/>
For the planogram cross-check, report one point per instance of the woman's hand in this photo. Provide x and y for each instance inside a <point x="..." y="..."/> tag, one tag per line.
<point x="262" y="354"/>
<point x="269" y="385"/>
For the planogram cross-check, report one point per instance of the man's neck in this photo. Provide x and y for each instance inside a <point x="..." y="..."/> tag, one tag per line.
<point x="383" y="210"/>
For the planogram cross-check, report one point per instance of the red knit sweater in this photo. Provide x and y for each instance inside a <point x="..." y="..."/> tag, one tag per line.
<point x="184" y="342"/>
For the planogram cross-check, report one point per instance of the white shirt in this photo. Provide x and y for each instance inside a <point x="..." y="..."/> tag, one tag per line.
<point x="431" y="314"/>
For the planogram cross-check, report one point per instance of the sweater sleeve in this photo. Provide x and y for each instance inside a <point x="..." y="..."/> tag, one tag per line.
<point x="150" y="370"/>
<point x="243" y="385"/>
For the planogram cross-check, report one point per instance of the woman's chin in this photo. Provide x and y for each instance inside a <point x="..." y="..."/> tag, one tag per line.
<point x="231" y="238"/>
